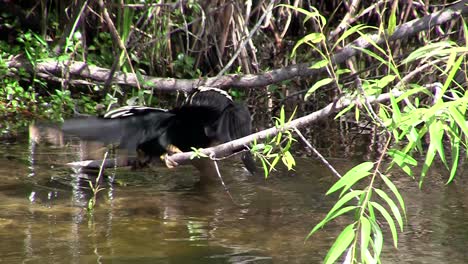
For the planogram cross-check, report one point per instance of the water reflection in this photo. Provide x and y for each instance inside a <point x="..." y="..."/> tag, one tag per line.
<point x="163" y="216"/>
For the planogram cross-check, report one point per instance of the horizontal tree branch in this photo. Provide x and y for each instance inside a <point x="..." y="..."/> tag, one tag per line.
<point x="82" y="70"/>
<point x="226" y="149"/>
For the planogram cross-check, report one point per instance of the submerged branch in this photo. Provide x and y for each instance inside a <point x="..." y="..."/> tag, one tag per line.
<point x="80" y="70"/>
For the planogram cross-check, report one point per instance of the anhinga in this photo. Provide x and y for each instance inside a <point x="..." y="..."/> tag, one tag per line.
<point x="208" y="117"/>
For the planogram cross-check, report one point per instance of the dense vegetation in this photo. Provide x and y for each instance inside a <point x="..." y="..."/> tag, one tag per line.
<point x="398" y="66"/>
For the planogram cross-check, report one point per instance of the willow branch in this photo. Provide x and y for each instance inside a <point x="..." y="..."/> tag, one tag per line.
<point x="96" y="74"/>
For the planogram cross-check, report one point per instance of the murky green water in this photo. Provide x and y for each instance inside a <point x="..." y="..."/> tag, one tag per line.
<point x="165" y="217"/>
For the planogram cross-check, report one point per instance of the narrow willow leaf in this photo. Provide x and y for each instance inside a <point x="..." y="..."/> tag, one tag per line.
<point x="352" y="176"/>
<point x="391" y="22"/>
<point x="345" y="110"/>
<point x="378" y="239"/>
<point x="436" y="131"/>
<point x="327" y="219"/>
<point x="396" y="109"/>
<point x="403" y="160"/>
<point x="314" y="13"/>
<point x="319" y="64"/>
<point x="426" y="50"/>
<point x="395" y="191"/>
<point x="369" y="259"/>
<point x="341" y="244"/>
<point x="431" y="151"/>
<point x="393" y="207"/>
<point x="460" y="119"/>
<point x="365" y="236"/>
<point x="455" y="146"/>
<point x="265" y="167"/>
<point x="342" y="71"/>
<point x="317" y="85"/>
<point x="451" y="75"/>
<point x="385" y="80"/>
<point x="343" y="200"/>
<point x="288" y="160"/>
<point x="310" y="38"/>
<point x="391" y="66"/>
<point x="275" y="161"/>
<point x="349" y="32"/>
<point x="389" y="220"/>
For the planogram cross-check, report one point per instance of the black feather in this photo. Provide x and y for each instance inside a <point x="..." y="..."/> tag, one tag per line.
<point x="208" y="117"/>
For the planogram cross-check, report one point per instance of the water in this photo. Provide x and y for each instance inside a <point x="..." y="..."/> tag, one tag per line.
<point x="163" y="216"/>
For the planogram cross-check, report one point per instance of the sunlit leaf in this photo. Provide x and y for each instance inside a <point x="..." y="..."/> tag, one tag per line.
<point x="392" y="22"/>
<point x="390" y="65"/>
<point x="341" y="244"/>
<point x="392" y="205"/>
<point x="455" y="147"/>
<point x="317" y="85"/>
<point x="368" y="258"/>
<point x="265" y="167"/>
<point x="288" y="160"/>
<point x="319" y="64"/>
<point x="430" y="154"/>
<point x="365" y="235"/>
<point x="436" y="131"/>
<point x="310" y="38"/>
<point x="349" y="32"/>
<point x="385" y="80"/>
<point x="352" y="176"/>
<point x="274" y="162"/>
<point x="328" y="218"/>
<point x="342" y="71"/>
<point x="389" y="220"/>
<point x="428" y="51"/>
<point x="459" y="118"/>
<point x="451" y="75"/>
<point x="403" y="160"/>
<point x="395" y="191"/>
<point x="345" y="110"/>
<point x="378" y="239"/>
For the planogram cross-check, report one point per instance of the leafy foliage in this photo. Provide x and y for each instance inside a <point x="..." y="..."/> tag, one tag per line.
<point x="417" y="113"/>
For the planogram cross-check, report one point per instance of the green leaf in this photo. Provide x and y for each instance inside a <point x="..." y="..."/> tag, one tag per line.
<point x="265" y="167"/>
<point x="378" y="238"/>
<point x="428" y="51"/>
<point x="427" y="162"/>
<point x="365" y="235"/>
<point x="344" y="111"/>
<point x="436" y="131"/>
<point x="288" y="160"/>
<point x="317" y="85"/>
<point x="275" y="161"/>
<point x="393" y="207"/>
<point x="385" y="80"/>
<point x="459" y="118"/>
<point x="403" y="160"/>
<point x="319" y="64"/>
<point x="455" y="146"/>
<point x="328" y="218"/>
<point x="392" y="22"/>
<point x="395" y="191"/>
<point x="349" y="32"/>
<point x="341" y="244"/>
<point x="308" y="39"/>
<point x="389" y="220"/>
<point x="352" y="176"/>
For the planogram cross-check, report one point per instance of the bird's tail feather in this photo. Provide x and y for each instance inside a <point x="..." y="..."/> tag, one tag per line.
<point x="128" y="132"/>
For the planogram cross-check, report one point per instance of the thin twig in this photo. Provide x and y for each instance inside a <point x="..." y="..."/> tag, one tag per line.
<point x="319" y="155"/>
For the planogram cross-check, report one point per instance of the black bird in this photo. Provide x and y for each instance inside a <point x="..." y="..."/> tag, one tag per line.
<point x="208" y="117"/>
